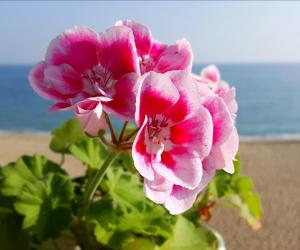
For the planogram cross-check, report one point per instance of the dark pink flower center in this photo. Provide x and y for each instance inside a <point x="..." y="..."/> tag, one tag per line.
<point x="98" y="81"/>
<point x="146" y="63"/>
<point x="157" y="138"/>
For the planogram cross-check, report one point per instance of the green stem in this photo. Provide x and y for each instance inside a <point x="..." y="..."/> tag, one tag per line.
<point x="94" y="183"/>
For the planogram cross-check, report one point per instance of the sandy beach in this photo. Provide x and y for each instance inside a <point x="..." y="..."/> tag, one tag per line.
<point x="273" y="165"/>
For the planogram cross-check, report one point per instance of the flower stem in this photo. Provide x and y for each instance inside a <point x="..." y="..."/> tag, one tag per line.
<point x="128" y="137"/>
<point x="111" y="129"/>
<point x="122" y="131"/>
<point x="94" y="183"/>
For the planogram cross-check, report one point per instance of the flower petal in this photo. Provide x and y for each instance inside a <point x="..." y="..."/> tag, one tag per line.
<point x="185" y="170"/>
<point x="89" y="113"/>
<point x="140" y="156"/>
<point x="180" y="200"/>
<point x="122" y="104"/>
<point x="156" y="94"/>
<point x="41" y="86"/>
<point x="76" y="47"/>
<point x="117" y="52"/>
<point x="222" y="121"/>
<point x="156" y="49"/>
<point x="193" y="135"/>
<point x="63" y="79"/>
<point x="142" y="36"/>
<point x="189" y="100"/>
<point x="202" y="86"/>
<point x="178" y="56"/>
<point x="228" y="96"/>
<point x="59" y="106"/>
<point x="225" y="153"/>
<point x="211" y="73"/>
<point x="209" y="170"/>
<point x="158" y="190"/>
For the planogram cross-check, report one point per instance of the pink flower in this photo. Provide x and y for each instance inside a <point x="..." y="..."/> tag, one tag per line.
<point x="219" y="99"/>
<point x="156" y="56"/>
<point x="175" y="138"/>
<point x="212" y="77"/>
<point x="81" y="64"/>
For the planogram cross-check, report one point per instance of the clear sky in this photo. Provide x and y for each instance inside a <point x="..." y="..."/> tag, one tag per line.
<point x="218" y="31"/>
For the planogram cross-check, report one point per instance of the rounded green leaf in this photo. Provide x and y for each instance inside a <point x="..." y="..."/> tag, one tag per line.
<point x="40" y="191"/>
<point x="46" y="205"/>
<point x="25" y="170"/>
<point x="63" y="137"/>
<point x="187" y="237"/>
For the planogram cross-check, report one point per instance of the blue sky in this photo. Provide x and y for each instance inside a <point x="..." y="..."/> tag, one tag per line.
<point x="218" y="31"/>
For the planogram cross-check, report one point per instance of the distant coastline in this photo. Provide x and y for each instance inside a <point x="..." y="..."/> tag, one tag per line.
<point x="268" y="95"/>
<point x="243" y="138"/>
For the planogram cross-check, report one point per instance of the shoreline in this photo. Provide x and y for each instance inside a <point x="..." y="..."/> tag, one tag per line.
<point x="243" y="138"/>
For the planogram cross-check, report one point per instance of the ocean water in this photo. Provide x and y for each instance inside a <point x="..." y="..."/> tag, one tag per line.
<point x="268" y="96"/>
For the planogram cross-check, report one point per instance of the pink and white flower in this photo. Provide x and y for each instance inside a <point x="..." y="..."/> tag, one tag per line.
<point x="81" y="64"/>
<point x="156" y="56"/>
<point x="187" y="122"/>
<point x="219" y="99"/>
<point x="211" y="76"/>
<point x="174" y="140"/>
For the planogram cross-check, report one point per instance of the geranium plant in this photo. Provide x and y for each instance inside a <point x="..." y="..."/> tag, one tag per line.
<point x="149" y="184"/>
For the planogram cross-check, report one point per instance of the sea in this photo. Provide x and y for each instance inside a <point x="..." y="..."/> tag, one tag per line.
<point x="268" y="96"/>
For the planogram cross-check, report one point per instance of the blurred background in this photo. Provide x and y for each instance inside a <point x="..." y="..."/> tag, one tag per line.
<point x="256" y="46"/>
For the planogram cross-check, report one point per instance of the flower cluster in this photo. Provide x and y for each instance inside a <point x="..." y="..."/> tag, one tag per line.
<point x="186" y="122"/>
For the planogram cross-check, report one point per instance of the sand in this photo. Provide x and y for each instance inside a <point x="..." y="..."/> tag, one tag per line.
<point x="273" y="165"/>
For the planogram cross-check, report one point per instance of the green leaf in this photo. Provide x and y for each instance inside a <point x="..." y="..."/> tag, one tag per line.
<point x="238" y="191"/>
<point x="141" y="244"/>
<point x="12" y="237"/>
<point x="187" y="237"/>
<point x="243" y="184"/>
<point x="249" y="206"/>
<point x="237" y="165"/>
<point x="152" y="221"/>
<point x="125" y="212"/>
<point x="63" y="137"/>
<point x="125" y="161"/>
<point x="46" y="205"/>
<point x="40" y="191"/>
<point x="253" y="202"/>
<point x="24" y="171"/>
<point x="104" y="216"/>
<point x="89" y="151"/>
<point x="124" y="188"/>
<point x="120" y="239"/>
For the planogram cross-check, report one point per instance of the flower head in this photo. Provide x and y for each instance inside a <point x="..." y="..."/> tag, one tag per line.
<point x="157" y="56"/>
<point x="186" y="122"/>
<point x="174" y="139"/>
<point x="81" y="64"/>
<point x="211" y="76"/>
<point x="219" y="99"/>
